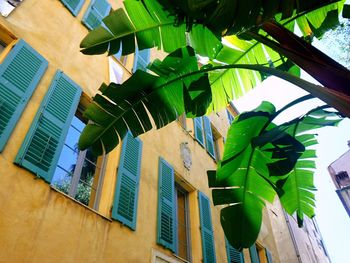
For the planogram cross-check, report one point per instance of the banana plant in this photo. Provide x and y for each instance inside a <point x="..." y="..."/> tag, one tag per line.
<point x="262" y="160"/>
<point x="163" y="24"/>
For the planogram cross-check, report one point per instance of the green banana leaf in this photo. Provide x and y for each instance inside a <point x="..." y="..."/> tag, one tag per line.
<point x="296" y="193"/>
<point x="165" y="95"/>
<point x="146" y="25"/>
<point x="261" y="159"/>
<point x="242" y="179"/>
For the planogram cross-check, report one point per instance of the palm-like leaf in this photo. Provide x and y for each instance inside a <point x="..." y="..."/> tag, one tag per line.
<point x="296" y="195"/>
<point x="242" y="178"/>
<point x="165" y="96"/>
<point x="261" y="159"/>
<point x="149" y="25"/>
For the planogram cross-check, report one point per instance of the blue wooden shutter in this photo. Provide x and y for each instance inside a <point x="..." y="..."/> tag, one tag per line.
<point x="166" y="206"/>
<point x="233" y="255"/>
<point x="73" y="6"/>
<point x="20" y="73"/>
<point x="127" y="185"/>
<point x="254" y="257"/>
<point x="96" y="11"/>
<point x="208" y="247"/>
<point x="42" y="146"/>
<point x="268" y="256"/>
<point x="198" y="130"/>
<point x="229" y="116"/>
<point x="209" y="137"/>
<point x="142" y="59"/>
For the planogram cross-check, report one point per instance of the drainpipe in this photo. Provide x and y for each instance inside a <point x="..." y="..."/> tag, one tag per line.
<point x="293" y="237"/>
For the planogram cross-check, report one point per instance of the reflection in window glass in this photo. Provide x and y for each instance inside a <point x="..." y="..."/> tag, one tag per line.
<point x="76" y="170"/>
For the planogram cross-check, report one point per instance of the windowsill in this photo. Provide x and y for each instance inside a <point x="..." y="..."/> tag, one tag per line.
<point x="77" y="202"/>
<point x="181" y="259"/>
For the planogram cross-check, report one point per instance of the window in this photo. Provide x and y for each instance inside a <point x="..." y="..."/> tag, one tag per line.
<point x="208" y="244"/>
<point x="15" y="92"/>
<point x="173" y="213"/>
<point x="233" y="255"/>
<point x="204" y="134"/>
<point x="229" y="116"/>
<point x="342" y="178"/>
<point x="142" y="58"/>
<point x="73" y="6"/>
<point x="259" y="254"/>
<point x="7" y="6"/>
<point x="127" y="183"/>
<point x="183" y="226"/>
<point x="96" y="11"/>
<point x="77" y="172"/>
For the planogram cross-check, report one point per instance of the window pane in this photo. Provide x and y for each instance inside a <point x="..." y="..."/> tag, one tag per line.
<point x="68" y="159"/>
<point x="83" y="193"/>
<point x="62" y="180"/>
<point x="78" y="124"/>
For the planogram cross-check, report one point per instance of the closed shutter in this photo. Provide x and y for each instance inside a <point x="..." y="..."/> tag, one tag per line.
<point x="73" y="6"/>
<point x="233" y="255"/>
<point x="127" y="186"/>
<point x="97" y="10"/>
<point x="254" y="257"/>
<point x="209" y="137"/>
<point x="42" y="146"/>
<point x="166" y="206"/>
<point x="198" y="130"/>
<point x="142" y="59"/>
<point x="208" y="247"/>
<point x="268" y="256"/>
<point x="20" y="73"/>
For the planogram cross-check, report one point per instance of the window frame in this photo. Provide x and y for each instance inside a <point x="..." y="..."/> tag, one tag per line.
<point x="179" y="188"/>
<point x="76" y="175"/>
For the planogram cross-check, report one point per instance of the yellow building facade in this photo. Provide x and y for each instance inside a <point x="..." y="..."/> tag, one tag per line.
<point x="146" y="201"/>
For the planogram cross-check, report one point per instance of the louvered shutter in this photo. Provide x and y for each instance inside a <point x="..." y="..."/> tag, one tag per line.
<point x="127" y="186"/>
<point x="233" y="255"/>
<point x="97" y="10"/>
<point x="229" y="116"/>
<point x="142" y="59"/>
<point x="268" y="256"/>
<point x="42" y="146"/>
<point x="20" y="73"/>
<point x="209" y="141"/>
<point x="254" y="257"/>
<point x="207" y="234"/>
<point x="73" y="6"/>
<point x="198" y="130"/>
<point x="166" y="206"/>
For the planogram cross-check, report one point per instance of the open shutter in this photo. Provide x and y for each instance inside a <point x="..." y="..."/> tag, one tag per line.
<point x="268" y="256"/>
<point x="97" y="10"/>
<point x="198" y="130"/>
<point x="127" y="186"/>
<point x="20" y="73"/>
<point x="209" y="137"/>
<point x="73" y="6"/>
<point x="254" y="257"/>
<point x="166" y="206"/>
<point x="142" y="59"/>
<point x="208" y="247"/>
<point x="233" y="255"/>
<point x="42" y="146"/>
<point x="229" y="116"/>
